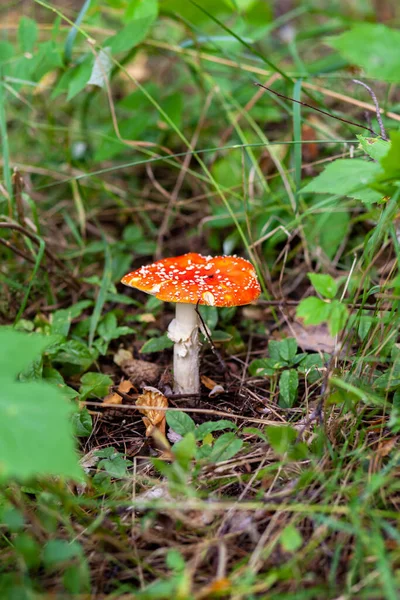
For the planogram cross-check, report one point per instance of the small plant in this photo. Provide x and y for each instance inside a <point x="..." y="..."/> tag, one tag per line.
<point x="284" y="365"/>
<point x="328" y="309"/>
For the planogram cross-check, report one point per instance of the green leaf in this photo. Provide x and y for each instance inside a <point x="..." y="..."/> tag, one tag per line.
<point x="288" y="385"/>
<point x="225" y="447"/>
<point x="180" y="422"/>
<point x="58" y="551"/>
<point x="324" y="284"/>
<point x="80" y="78"/>
<point x="376" y="148"/>
<point x="113" y="462"/>
<point x="347" y="177"/>
<point x="330" y="229"/>
<point x="338" y="315"/>
<point x="210" y="426"/>
<point x="75" y="352"/>
<point x="288" y="349"/>
<point x="374" y="47"/>
<point x="156" y="344"/>
<point x="35" y="427"/>
<point x="391" y="161"/>
<point x="281" y="437"/>
<point x="263" y="367"/>
<point x="18" y="350"/>
<point x="185" y="450"/>
<point x="61" y="319"/>
<point x="94" y="385"/>
<point x="108" y="329"/>
<point x="82" y="422"/>
<point x="313" y="311"/>
<point x="6" y="51"/>
<point x="291" y="539"/>
<point x="27" y="34"/>
<point x="209" y="315"/>
<point x="142" y="14"/>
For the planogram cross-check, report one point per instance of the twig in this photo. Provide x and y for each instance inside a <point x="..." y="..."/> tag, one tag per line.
<point x="377" y="108"/>
<point x="204" y="411"/>
<point x="324" y="112"/>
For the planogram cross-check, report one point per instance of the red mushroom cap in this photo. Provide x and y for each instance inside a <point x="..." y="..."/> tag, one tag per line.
<point x="193" y="278"/>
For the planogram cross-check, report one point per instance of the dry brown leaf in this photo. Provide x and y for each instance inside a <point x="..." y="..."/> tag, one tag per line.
<point x="208" y="382"/>
<point x="386" y="446"/>
<point x="114" y="398"/>
<point x="312" y="337"/>
<point x="147" y="318"/>
<point x="153" y="417"/>
<point x="138" y="371"/>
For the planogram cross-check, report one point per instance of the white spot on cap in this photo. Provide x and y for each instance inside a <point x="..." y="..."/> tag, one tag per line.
<point x="208" y="298"/>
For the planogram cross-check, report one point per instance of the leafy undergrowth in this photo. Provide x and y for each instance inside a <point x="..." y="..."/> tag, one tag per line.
<point x="130" y="131"/>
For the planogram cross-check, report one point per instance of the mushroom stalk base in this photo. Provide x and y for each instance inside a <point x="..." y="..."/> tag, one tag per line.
<point x="184" y="332"/>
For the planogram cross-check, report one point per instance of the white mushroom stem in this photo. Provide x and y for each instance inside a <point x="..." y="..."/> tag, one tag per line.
<point x="184" y="332"/>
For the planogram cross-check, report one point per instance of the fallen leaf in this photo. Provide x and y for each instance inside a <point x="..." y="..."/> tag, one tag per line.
<point x="147" y="318"/>
<point x="153" y="417"/>
<point x="114" y="398"/>
<point x="138" y="371"/>
<point x="386" y="446"/>
<point x="312" y="337"/>
<point x="208" y="382"/>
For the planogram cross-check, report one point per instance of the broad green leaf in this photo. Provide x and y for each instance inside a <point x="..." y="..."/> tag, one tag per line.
<point x="391" y="161"/>
<point x="58" y="551"/>
<point x="374" y="47"/>
<point x="75" y="352"/>
<point x="82" y="422"/>
<point x="291" y="539"/>
<point x="209" y="315"/>
<point x="47" y="58"/>
<point x="324" y="284"/>
<point x="288" y="349"/>
<point x="156" y="344"/>
<point x="225" y="447"/>
<point x="94" y="385"/>
<point x="18" y="350"/>
<point x="27" y="34"/>
<point x="288" y="385"/>
<point x="108" y="329"/>
<point x="210" y="426"/>
<point x="180" y="422"/>
<point x="376" y="148"/>
<point x="281" y="437"/>
<point x="185" y="449"/>
<point x="6" y="51"/>
<point x="347" y="177"/>
<point x="35" y="426"/>
<point x="313" y="311"/>
<point x="61" y="319"/>
<point x="113" y="462"/>
<point x="263" y="367"/>
<point x="140" y="18"/>
<point x="81" y="76"/>
<point x="338" y="315"/>
<point x="329" y="230"/>
<point x="139" y="9"/>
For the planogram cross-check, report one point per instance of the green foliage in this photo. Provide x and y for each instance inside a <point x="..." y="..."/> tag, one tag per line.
<point x="314" y="311"/>
<point x="156" y="344"/>
<point x="372" y="47"/>
<point x="36" y="436"/>
<point x="347" y="177"/>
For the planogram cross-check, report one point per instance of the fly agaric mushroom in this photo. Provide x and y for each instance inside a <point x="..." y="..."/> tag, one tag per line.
<point x="189" y="280"/>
